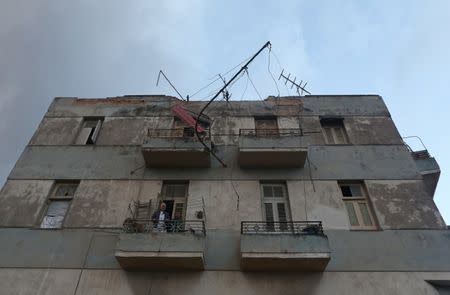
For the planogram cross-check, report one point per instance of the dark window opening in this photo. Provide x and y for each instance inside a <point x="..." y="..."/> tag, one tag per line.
<point x="89" y="131"/>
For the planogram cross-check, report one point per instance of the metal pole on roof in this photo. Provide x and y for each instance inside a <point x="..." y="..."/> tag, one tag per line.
<point x="243" y="68"/>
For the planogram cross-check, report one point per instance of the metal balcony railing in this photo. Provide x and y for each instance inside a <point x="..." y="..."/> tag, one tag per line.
<point x="131" y="225"/>
<point x="279" y="227"/>
<point x="185" y="132"/>
<point x="271" y="132"/>
<point x="417" y="153"/>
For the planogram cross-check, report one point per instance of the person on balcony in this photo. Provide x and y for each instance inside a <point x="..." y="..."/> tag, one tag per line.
<point x="159" y="218"/>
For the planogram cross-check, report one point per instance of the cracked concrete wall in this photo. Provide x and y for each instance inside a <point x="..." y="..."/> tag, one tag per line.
<point x="321" y="200"/>
<point x="403" y="204"/>
<point x="226" y="206"/>
<point x="225" y="129"/>
<point x="21" y="201"/>
<point x="326" y="105"/>
<point x="104" y="203"/>
<point x="130" y="131"/>
<point x="117" y="162"/>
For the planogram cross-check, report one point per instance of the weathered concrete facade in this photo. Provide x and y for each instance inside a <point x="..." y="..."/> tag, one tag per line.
<point x="404" y="251"/>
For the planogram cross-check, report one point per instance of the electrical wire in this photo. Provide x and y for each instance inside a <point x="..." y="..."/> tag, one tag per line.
<point x="216" y="95"/>
<point x="306" y="205"/>
<point x="254" y="87"/>
<point x="219" y="78"/>
<point x="245" y="89"/>
<point x="281" y="68"/>
<point x="268" y="69"/>
<point x="204" y="87"/>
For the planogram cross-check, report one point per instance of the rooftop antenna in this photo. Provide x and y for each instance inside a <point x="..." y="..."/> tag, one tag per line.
<point x="226" y="94"/>
<point x="170" y="83"/>
<point x="299" y="87"/>
<point x="243" y="68"/>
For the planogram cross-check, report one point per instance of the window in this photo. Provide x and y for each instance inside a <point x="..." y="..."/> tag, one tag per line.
<point x="266" y="126"/>
<point x="276" y="211"/>
<point x="89" y="131"/>
<point x="358" y="208"/>
<point x="334" y="131"/>
<point x="181" y="129"/>
<point x="58" y="203"/>
<point x="174" y="195"/>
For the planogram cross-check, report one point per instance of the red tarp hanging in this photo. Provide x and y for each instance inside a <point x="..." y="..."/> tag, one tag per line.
<point x="181" y="113"/>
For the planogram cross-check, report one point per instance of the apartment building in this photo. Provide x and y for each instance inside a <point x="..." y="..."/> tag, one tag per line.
<point x="290" y="195"/>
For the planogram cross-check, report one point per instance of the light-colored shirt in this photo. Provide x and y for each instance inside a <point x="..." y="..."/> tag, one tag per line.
<point x="161" y="227"/>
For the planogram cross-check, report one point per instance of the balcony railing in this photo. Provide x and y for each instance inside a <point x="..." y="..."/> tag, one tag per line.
<point x="287" y="227"/>
<point x="271" y="132"/>
<point x="185" y="133"/>
<point x="131" y="225"/>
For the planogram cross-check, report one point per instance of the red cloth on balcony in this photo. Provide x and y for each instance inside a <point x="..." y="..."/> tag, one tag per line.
<point x="181" y="113"/>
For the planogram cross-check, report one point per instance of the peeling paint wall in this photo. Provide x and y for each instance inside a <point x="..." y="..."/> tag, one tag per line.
<point x="130" y="131"/>
<point x="318" y="200"/>
<point x="404" y="204"/>
<point x="226" y="206"/>
<point x="21" y="201"/>
<point x="100" y="203"/>
<point x="56" y="131"/>
<point x="225" y="129"/>
<point x="372" y="130"/>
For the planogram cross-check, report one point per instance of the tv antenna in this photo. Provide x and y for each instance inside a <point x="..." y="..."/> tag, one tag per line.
<point x="170" y="83"/>
<point x="243" y="68"/>
<point x="225" y="93"/>
<point x="299" y="87"/>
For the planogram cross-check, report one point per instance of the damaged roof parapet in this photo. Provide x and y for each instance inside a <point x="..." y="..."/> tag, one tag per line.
<point x="331" y="105"/>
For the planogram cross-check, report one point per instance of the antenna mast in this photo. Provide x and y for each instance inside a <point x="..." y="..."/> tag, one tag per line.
<point x="300" y="88"/>
<point x="243" y="68"/>
<point x="170" y="83"/>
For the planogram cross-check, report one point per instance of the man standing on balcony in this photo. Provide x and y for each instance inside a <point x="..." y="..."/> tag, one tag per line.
<point x="159" y="218"/>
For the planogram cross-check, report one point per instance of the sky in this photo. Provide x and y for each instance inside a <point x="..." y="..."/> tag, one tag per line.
<point x="397" y="49"/>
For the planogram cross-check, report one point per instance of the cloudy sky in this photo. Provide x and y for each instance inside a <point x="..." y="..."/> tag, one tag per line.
<point x="398" y="49"/>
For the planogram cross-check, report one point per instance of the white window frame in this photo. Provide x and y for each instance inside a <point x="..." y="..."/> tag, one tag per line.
<point x="356" y="201"/>
<point x="87" y="133"/>
<point x="274" y="201"/>
<point x="333" y="128"/>
<point x="52" y="222"/>
<point x="176" y="200"/>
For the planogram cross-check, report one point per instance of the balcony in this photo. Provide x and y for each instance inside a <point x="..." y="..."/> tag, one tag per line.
<point x="284" y="246"/>
<point x="272" y="148"/>
<point x="179" y="245"/>
<point x="175" y="148"/>
<point x="425" y="163"/>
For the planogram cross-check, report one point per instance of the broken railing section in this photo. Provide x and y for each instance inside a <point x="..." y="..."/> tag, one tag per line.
<point x="425" y="163"/>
